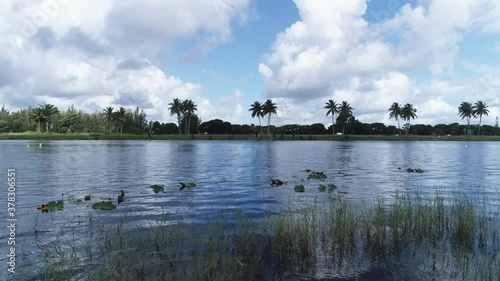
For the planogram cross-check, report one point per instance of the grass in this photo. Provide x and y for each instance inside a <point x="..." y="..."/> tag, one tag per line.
<point x="412" y="237"/>
<point x="99" y="136"/>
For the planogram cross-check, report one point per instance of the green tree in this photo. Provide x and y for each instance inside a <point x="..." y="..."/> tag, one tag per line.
<point x="333" y="108"/>
<point x="407" y="113"/>
<point x="480" y="108"/>
<point x="120" y="116"/>
<point x="108" y="114"/>
<point x="396" y="112"/>
<point x="188" y="108"/>
<point x="466" y="111"/>
<point x="176" y="109"/>
<point x="268" y="109"/>
<point x="345" y="113"/>
<point x="38" y="115"/>
<point x="49" y="110"/>
<point x="257" y="109"/>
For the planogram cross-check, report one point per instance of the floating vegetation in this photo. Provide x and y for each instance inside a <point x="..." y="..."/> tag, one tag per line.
<point x="277" y="182"/>
<point x="78" y="201"/>
<point x="121" y="197"/>
<point x="418" y="170"/>
<point x="183" y="185"/>
<point x="88" y="197"/>
<point x="299" y="188"/>
<point x="157" y="188"/>
<point x="104" y="205"/>
<point x="331" y="187"/>
<point x="51" y="206"/>
<point x="316" y="175"/>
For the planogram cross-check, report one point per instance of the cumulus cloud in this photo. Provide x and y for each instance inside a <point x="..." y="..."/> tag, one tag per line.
<point x="99" y="53"/>
<point x="334" y="52"/>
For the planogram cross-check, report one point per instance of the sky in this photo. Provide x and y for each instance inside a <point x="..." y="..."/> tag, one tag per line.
<point x="226" y="54"/>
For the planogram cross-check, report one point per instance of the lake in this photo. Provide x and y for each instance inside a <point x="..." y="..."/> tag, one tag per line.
<point x="229" y="174"/>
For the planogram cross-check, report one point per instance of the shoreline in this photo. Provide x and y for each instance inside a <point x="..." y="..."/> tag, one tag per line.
<point x="57" y="136"/>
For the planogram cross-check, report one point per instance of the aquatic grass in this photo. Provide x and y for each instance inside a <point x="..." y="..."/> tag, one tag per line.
<point x="412" y="236"/>
<point x="340" y="226"/>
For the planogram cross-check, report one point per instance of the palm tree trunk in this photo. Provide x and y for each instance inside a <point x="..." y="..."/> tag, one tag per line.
<point x="333" y="126"/>
<point x="269" y="124"/>
<point x="399" y="127"/>
<point x="479" y="130"/>
<point x="39" y="129"/>
<point x="46" y="126"/>
<point x="189" y="125"/>
<point x="260" y="125"/>
<point x="179" y="123"/>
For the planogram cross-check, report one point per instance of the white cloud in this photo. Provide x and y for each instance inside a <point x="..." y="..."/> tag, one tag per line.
<point x="265" y="70"/>
<point x="333" y="52"/>
<point x="103" y="53"/>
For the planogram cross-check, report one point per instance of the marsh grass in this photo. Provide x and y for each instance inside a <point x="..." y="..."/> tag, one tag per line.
<point x="410" y="237"/>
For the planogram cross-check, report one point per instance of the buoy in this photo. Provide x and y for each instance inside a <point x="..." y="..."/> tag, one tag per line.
<point x="40" y="144"/>
<point x="28" y="146"/>
<point x="465" y="146"/>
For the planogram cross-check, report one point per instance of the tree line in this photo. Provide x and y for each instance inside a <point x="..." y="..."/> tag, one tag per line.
<point x="48" y="118"/>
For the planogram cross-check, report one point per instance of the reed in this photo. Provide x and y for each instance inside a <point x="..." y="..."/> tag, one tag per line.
<point x="415" y="237"/>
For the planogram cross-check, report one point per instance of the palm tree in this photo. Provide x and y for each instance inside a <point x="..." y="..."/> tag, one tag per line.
<point x="395" y="111"/>
<point x="407" y="113"/>
<point x="480" y="108"/>
<point x="268" y="109"/>
<point x="345" y="113"/>
<point x="120" y="117"/>
<point x="257" y="109"/>
<point x="466" y="111"/>
<point x="108" y="113"/>
<point x="49" y="111"/>
<point x="176" y="108"/>
<point x="333" y="108"/>
<point x="38" y="115"/>
<point x="188" y="108"/>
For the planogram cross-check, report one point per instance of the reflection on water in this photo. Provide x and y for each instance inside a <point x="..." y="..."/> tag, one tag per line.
<point x="230" y="175"/>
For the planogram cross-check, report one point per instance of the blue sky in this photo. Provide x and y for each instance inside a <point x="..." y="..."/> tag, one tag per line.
<point x="225" y="54"/>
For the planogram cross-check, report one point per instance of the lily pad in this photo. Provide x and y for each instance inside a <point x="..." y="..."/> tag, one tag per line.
<point x="299" y="188"/>
<point x="316" y="175"/>
<point x="332" y="187"/>
<point x="418" y="170"/>
<point x="104" y="205"/>
<point x="157" y="188"/>
<point x="183" y="185"/>
<point x="78" y="201"/>
<point x="322" y="187"/>
<point x="51" y="206"/>
<point x="88" y="197"/>
<point x="277" y="182"/>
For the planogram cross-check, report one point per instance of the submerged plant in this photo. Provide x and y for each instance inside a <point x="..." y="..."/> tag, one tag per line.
<point x="418" y="170"/>
<point x="51" y="206"/>
<point x="157" y="188"/>
<point x="322" y="188"/>
<point x="121" y="197"/>
<point x="187" y="185"/>
<point x="299" y="188"/>
<point x="331" y="187"/>
<point x="104" y="205"/>
<point x="278" y="182"/>
<point x="316" y="175"/>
